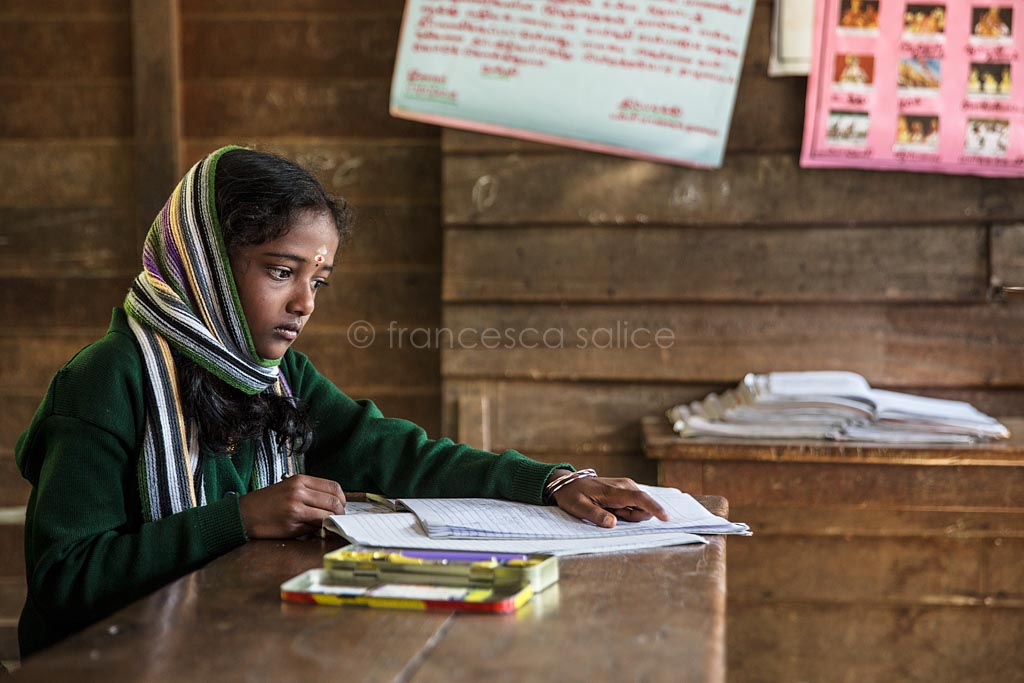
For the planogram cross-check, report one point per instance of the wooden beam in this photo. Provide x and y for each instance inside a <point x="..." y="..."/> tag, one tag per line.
<point x="156" y="72"/>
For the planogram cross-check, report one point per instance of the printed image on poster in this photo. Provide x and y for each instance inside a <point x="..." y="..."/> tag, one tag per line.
<point x="903" y="85"/>
<point x="992" y="22"/>
<point x="652" y="79"/>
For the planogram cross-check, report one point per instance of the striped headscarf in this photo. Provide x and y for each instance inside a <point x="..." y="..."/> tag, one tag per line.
<point x="185" y="299"/>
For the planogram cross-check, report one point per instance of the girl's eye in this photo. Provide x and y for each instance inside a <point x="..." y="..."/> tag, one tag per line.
<point x="279" y="273"/>
<point x="317" y="284"/>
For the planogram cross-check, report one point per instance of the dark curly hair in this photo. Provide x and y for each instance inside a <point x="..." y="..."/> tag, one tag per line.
<point x="257" y="196"/>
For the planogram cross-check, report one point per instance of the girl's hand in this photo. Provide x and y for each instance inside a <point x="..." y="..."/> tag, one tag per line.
<point x="293" y="507"/>
<point x="601" y="500"/>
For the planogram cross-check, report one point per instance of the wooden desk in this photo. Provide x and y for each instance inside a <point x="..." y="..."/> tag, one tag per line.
<point x="868" y="562"/>
<point x="652" y="615"/>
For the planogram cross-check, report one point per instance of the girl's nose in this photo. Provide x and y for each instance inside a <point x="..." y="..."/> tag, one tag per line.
<point x="302" y="301"/>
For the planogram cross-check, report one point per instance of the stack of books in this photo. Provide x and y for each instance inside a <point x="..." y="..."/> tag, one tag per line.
<point x="831" y="405"/>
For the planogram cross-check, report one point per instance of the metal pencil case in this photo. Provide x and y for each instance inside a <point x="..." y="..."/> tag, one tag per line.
<point x="313" y="587"/>
<point x="441" y="567"/>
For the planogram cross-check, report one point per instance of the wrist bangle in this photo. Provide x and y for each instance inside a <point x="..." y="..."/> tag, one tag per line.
<point x="551" y="489"/>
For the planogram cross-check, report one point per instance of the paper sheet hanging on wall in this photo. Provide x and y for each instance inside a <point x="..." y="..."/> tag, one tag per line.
<point x="792" y="38"/>
<point x="917" y="86"/>
<point x="653" y="79"/>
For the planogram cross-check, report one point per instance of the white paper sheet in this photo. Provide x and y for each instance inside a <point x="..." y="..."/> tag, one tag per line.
<point x="484" y="517"/>
<point x="402" y="530"/>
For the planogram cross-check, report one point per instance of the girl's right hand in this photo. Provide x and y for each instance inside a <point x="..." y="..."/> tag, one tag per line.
<point x="293" y="507"/>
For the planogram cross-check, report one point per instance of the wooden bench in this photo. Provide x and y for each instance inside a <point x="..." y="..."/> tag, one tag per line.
<point x="653" y="615"/>
<point x="12" y="581"/>
<point x="867" y="563"/>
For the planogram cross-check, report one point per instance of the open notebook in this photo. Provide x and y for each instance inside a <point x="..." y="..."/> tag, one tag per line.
<point x="497" y="525"/>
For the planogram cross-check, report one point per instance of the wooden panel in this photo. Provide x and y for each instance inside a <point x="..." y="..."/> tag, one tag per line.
<point x="858" y="569"/>
<point x="14" y="490"/>
<point x="926" y="345"/>
<point x="8" y="648"/>
<point x="64" y="174"/>
<point x="12" y="597"/>
<point x="771" y="520"/>
<point x="48" y="8"/>
<point x="294" y="107"/>
<point x="1008" y="256"/>
<point x="363" y="172"/>
<point x="57" y="242"/>
<point x="98" y="242"/>
<point x="394" y="235"/>
<point x="87" y="46"/>
<point x="1004" y="562"/>
<point x="751" y="189"/>
<point x="379" y="364"/>
<point x="228" y="601"/>
<point x="393" y="299"/>
<point x="757" y="125"/>
<point x="276" y="6"/>
<point x="30" y="369"/>
<point x="12" y="560"/>
<point x="999" y="402"/>
<point x="420" y="405"/>
<point x="70" y="110"/>
<point x="583" y="419"/>
<point x="665" y="264"/>
<point x="473" y="418"/>
<point x="455" y="141"/>
<point x="18" y="411"/>
<point x="864" y="486"/>
<point x="47" y="301"/>
<point x="156" y="75"/>
<point x="560" y="644"/>
<point x="768" y="643"/>
<point x="278" y="47"/>
<point x="411" y="299"/>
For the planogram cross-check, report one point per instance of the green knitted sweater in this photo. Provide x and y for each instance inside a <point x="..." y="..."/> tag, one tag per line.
<point x="88" y="551"/>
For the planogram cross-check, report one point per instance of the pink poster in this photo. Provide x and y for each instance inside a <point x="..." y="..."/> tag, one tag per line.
<point x="917" y="86"/>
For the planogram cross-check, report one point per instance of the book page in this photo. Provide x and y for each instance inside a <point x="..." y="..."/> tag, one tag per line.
<point x="474" y="517"/>
<point x="402" y="530"/>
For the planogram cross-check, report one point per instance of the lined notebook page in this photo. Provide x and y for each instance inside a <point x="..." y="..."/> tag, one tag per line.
<point x="402" y="530"/>
<point x="490" y="518"/>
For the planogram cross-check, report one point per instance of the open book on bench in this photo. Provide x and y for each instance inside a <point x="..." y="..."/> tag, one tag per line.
<point x="506" y="526"/>
<point x="835" y="405"/>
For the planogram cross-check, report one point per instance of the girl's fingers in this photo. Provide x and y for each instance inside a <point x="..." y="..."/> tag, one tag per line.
<point x="631" y="514"/>
<point x="323" y="485"/>
<point x="327" y="503"/>
<point x="584" y="508"/>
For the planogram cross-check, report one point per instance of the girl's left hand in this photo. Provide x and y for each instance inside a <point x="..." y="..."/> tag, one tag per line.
<point x="600" y="500"/>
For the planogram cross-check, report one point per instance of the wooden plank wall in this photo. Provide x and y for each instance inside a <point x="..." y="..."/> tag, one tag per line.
<point x="306" y="78"/>
<point x="310" y="79"/>
<point x="758" y="266"/>
<point x="67" y="240"/>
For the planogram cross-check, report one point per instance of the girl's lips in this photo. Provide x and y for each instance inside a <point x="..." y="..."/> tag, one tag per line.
<point x="289" y="332"/>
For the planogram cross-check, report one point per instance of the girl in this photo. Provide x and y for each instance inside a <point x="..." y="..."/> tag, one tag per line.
<point x="192" y="427"/>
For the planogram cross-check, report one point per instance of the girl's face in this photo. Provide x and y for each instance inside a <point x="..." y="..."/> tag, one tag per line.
<point x="277" y="281"/>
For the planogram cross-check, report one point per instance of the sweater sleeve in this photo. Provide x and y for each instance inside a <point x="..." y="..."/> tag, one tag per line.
<point x="358" y="447"/>
<point x="88" y="550"/>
